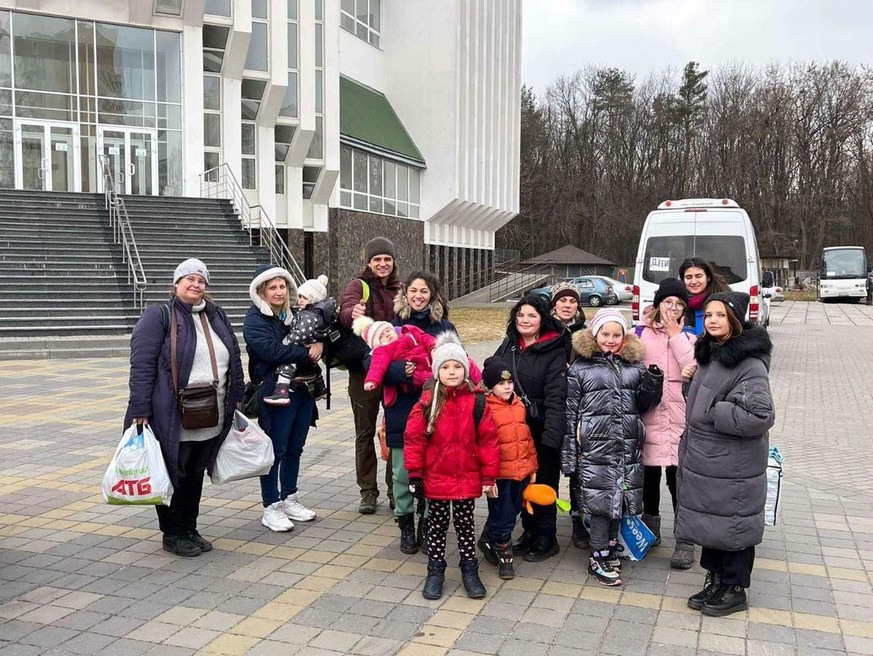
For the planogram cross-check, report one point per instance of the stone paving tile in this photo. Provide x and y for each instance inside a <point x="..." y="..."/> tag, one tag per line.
<point x="81" y="577"/>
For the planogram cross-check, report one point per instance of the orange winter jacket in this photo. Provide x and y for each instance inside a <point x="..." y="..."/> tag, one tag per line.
<point x="518" y="455"/>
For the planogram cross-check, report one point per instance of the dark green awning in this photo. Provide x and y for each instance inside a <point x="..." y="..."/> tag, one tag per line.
<point x="368" y="121"/>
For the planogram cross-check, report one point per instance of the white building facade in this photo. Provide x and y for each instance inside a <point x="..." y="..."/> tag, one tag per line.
<point x="342" y="119"/>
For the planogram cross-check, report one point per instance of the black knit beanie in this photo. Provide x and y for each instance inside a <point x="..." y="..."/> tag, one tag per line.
<point x="736" y="302"/>
<point x="495" y="370"/>
<point x="671" y="287"/>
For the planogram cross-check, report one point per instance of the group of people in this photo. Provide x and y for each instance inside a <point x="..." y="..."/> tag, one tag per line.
<point x="686" y="393"/>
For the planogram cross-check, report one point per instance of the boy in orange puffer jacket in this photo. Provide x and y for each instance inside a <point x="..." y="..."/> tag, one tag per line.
<point x="518" y="465"/>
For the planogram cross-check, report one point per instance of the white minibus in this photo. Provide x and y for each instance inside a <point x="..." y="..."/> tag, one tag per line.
<point x="718" y="230"/>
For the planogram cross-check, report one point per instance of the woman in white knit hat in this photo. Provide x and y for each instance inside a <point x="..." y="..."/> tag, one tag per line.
<point x="206" y="353"/>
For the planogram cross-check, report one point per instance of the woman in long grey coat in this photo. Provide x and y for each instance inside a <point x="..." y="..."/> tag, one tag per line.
<point x="722" y="480"/>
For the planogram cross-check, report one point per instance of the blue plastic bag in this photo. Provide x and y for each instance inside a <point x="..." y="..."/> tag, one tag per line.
<point x="634" y="538"/>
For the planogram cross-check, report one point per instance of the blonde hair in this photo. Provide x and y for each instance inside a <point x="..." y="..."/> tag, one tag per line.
<point x="438" y="403"/>
<point x="263" y="286"/>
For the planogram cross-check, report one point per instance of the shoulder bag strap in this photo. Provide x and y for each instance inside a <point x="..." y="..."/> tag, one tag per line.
<point x="515" y="377"/>
<point x="208" y="334"/>
<point x="173" y="364"/>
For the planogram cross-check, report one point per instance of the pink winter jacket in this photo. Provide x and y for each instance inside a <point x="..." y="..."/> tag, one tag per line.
<point x="665" y="422"/>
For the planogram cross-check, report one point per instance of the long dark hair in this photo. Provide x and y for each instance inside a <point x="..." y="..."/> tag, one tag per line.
<point x="433" y="284"/>
<point x="715" y="282"/>
<point x="548" y="322"/>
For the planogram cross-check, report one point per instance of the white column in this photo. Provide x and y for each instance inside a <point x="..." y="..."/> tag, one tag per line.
<point x="192" y="109"/>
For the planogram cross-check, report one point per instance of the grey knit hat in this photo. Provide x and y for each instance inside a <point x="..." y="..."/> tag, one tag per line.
<point x="448" y="347"/>
<point x="189" y="266"/>
<point x="314" y="289"/>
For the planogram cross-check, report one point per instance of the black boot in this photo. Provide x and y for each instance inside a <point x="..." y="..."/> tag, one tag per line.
<point x="726" y="600"/>
<point x="543" y="548"/>
<point x="710" y="587"/>
<point x="470" y="579"/>
<point x="408" y="544"/>
<point x="581" y="538"/>
<point x="421" y="533"/>
<point x="521" y="546"/>
<point x="204" y="544"/>
<point x="653" y="522"/>
<point x="436" y="575"/>
<point x="504" y="560"/>
<point x="487" y="549"/>
<point x="181" y="545"/>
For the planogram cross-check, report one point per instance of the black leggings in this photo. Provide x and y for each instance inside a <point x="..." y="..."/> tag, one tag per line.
<point x="438" y="515"/>
<point x="652" y="488"/>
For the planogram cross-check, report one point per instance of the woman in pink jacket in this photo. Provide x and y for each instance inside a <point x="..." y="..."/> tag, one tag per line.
<point x="669" y="344"/>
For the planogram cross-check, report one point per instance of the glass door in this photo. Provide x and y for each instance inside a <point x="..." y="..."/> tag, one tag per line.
<point x="131" y="155"/>
<point x="45" y="157"/>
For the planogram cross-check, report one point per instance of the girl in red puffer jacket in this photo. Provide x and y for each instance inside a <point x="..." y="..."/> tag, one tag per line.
<point x="452" y="455"/>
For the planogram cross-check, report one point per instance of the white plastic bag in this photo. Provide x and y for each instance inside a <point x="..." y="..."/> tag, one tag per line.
<point x="774" y="487"/>
<point x="137" y="474"/>
<point x="246" y="452"/>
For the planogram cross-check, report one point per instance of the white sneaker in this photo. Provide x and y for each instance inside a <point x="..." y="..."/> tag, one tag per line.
<point x="296" y="510"/>
<point x="275" y="519"/>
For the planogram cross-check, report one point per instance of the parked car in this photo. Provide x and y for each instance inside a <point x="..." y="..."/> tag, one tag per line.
<point x="624" y="291"/>
<point x="593" y="292"/>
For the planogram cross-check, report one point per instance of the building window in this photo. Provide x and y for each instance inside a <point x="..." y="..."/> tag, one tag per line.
<point x="363" y="18"/>
<point x="251" y="93"/>
<point x="218" y="7"/>
<point x="310" y="178"/>
<point x="290" y="105"/>
<point x="214" y="43"/>
<point x="169" y="7"/>
<point x="316" y="147"/>
<point x="258" y="58"/>
<point x="280" y="179"/>
<point x="283" y="136"/>
<point x="249" y="149"/>
<point x="374" y="184"/>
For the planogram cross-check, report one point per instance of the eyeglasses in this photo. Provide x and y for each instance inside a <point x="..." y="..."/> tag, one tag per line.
<point x="674" y="304"/>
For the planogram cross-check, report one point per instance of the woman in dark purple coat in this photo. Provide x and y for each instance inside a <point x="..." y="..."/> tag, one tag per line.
<point x="187" y="452"/>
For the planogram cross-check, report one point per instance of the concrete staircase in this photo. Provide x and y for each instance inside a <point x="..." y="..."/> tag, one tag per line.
<point x="63" y="285"/>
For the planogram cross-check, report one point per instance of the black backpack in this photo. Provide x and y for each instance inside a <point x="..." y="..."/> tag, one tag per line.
<point x="342" y="348"/>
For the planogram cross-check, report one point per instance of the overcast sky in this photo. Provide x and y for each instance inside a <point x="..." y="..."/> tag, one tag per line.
<point x="644" y="36"/>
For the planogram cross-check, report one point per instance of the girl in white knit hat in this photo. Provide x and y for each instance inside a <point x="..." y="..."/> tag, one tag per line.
<point x="607" y="391"/>
<point x="311" y="323"/>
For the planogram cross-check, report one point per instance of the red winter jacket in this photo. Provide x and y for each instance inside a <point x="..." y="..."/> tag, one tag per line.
<point x="458" y="458"/>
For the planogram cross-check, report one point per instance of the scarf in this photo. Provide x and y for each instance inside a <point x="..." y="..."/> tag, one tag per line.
<point x="695" y="301"/>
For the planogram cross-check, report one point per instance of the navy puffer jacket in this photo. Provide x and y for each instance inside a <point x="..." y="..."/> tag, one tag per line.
<point x="606" y="394"/>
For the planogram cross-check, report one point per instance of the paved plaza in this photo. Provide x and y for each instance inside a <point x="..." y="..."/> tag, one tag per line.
<point x="78" y="576"/>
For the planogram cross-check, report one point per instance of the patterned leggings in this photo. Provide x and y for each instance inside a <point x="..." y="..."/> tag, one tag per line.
<point x="439" y="514"/>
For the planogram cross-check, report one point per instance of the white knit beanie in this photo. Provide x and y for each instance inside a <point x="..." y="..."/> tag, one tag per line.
<point x="606" y="315"/>
<point x="448" y="347"/>
<point x="370" y="330"/>
<point x="189" y="266"/>
<point x="314" y="289"/>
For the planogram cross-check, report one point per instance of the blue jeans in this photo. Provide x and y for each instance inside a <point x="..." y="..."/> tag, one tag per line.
<point x="505" y="509"/>
<point x="290" y="426"/>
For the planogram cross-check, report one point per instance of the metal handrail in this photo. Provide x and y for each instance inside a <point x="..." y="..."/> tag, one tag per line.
<point x="220" y="182"/>
<point x="122" y="233"/>
<point x="503" y="286"/>
<point x="478" y="279"/>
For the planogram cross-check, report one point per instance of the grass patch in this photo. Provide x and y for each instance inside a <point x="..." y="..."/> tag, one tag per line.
<point x="482" y="324"/>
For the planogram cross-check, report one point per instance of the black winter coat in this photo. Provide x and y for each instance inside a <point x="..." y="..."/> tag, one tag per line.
<point x="540" y="370"/>
<point x="722" y="477"/>
<point x="606" y="394"/>
<point x="151" y="377"/>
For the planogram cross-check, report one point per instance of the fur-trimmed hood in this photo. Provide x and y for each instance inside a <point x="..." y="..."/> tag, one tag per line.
<point x="753" y="342"/>
<point x="585" y="345"/>
<point x="262" y="275"/>
<point x="435" y="312"/>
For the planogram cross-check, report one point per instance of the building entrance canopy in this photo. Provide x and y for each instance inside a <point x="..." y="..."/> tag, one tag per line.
<point x="72" y="90"/>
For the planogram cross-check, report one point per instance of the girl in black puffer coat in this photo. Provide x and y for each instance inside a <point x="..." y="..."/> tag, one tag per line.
<point x="607" y="391"/>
